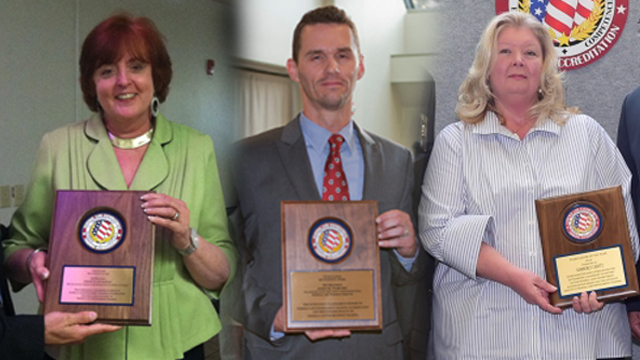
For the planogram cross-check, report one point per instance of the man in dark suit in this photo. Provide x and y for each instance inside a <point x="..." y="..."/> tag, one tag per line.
<point x="22" y="337"/>
<point x="289" y="163"/>
<point x="629" y="145"/>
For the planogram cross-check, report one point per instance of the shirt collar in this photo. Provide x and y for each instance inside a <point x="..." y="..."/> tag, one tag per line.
<point x="318" y="137"/>
<point x="491" y="125"/>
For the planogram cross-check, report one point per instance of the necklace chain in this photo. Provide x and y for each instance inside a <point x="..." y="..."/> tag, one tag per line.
<point x="516" y="131"/>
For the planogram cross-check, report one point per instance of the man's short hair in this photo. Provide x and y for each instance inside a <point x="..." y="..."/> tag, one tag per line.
<point x="323" y="15"/>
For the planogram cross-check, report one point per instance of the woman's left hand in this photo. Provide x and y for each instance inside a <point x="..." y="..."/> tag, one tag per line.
<point x="586" y="303"/>
<point x="208" y="266"/>
<point x="170" y="213"/>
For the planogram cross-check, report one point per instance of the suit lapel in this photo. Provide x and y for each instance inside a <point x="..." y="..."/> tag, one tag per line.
<point x="295" y="161"/>
<point x="5" y="304"/>
<point x="372" y="163"/>
<point x="102" y="162"/>
<point x="154" y="167"/>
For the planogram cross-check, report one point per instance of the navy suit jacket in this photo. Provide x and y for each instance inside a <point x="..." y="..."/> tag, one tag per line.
<point x="21" y="337"/>
<point x="629" y="145"/>
<point x="274" y="166"/>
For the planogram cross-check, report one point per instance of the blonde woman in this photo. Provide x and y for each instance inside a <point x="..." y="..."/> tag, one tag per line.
<point x="516" y="142"/>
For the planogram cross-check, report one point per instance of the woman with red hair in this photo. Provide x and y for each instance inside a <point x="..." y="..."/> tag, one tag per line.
<point x="127" y="144"/>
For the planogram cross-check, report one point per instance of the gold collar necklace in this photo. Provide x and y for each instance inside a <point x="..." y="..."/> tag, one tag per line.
<point x="133" y="143"/>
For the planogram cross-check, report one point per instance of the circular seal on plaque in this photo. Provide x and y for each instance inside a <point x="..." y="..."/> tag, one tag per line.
<point x="582" y="30"/>
<point x="102" y="231"/>
<point x="330" y="240"/>
<point x="582" y="223"/>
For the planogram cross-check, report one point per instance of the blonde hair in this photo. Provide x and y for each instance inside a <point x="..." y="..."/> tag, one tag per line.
<point x="474" y="95"/>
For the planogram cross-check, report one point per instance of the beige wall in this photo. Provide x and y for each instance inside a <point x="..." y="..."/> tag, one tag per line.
<point x="265" y="28"/>
<point x="598" y="89"/>
<point x="384" y="31"/>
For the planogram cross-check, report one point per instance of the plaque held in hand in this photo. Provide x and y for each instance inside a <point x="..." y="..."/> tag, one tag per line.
<point x="586" y="245"/>
<point x="331" y="265"/>
<point x="101" y="256"/>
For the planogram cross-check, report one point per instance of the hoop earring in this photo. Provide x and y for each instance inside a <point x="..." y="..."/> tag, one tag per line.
<point x="154" y="107"/>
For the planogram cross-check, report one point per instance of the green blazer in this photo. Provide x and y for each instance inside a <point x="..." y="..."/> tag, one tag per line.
<point x="179" y="162"/>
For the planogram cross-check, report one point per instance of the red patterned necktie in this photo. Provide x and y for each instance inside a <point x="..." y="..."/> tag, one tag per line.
<point x="334" y="186"/>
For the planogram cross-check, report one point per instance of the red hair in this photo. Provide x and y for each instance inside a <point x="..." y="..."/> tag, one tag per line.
<point x="114" y="37"/>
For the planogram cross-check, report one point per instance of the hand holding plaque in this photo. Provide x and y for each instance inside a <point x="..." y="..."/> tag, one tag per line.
<point x="331" y="265"/>
<point x="586" y="245"/>
<point x="101" y="257"/>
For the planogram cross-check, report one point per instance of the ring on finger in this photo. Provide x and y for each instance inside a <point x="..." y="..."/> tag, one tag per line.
<point x="176" y="216"/>
<point x="406" y="231"/>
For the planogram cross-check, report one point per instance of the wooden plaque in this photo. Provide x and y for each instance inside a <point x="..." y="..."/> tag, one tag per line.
<point x="331" y="265"/>
<point x="101" y="256"/>
<point x="586" y="245"/>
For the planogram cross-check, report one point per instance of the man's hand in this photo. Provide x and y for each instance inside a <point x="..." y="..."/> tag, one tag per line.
<point x="395" y="230"/>
<point x="71" y="328"/>
<point x="634" y="322"/>
<point x="587" y="303"/>
<point x="278" y="322"/>
<point x="314" y="335"/>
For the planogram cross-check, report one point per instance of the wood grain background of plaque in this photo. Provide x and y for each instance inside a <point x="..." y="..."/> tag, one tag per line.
<point x="298" y="217"/>
<point x="615" y="230"/>
<point x="135" y="250"/>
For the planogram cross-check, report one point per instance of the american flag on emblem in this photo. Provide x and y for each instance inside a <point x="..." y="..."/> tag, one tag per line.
<point x="102" y="229"/>
<point x="562" y="15"/>
<point x="583" y="10"/>
<point x="331" y="239"/>
<point x="582" y="222"/>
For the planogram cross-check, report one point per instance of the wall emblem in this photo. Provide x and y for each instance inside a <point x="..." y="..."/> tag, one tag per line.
<point x="582" y="30"/>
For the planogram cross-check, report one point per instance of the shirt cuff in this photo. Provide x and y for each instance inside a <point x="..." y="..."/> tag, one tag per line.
<point x="462" y="240"/>
<point x="275" y="335"/>
<point x="407" y="263"/>
<point x="633" y="304"/>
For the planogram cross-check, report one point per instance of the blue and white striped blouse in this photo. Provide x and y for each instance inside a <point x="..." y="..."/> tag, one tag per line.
<point x="480" y="185"/>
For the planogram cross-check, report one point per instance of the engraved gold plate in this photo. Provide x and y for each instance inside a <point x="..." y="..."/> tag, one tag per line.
<point x="97" y="285"/>
<point x="332" y="295"/>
